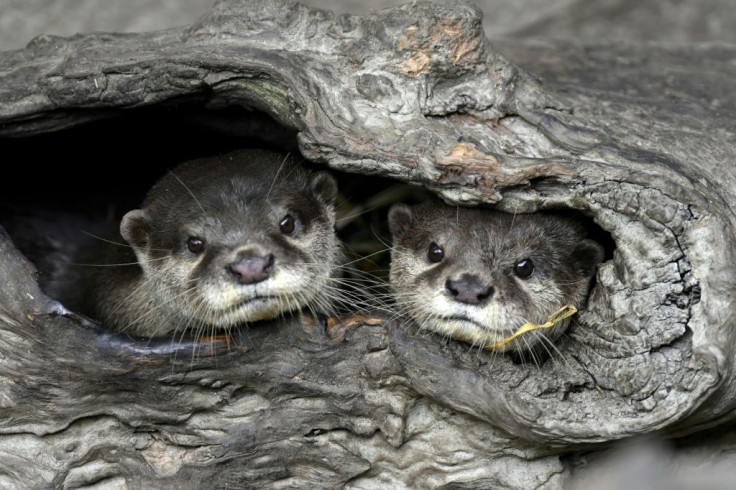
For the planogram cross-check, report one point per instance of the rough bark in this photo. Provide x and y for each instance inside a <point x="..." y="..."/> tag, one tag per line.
<point x="640" y="138"/>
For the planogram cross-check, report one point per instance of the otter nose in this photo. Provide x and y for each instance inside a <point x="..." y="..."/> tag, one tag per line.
<point x="252" y="269"/>
<point x="469" y="290"/>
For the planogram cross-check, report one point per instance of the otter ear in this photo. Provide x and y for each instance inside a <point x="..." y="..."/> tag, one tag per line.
<point x="587" y="255"/>
<point x="134" y="228"/>
<point x="400" y="219"/>
<point x="325" y="186"/>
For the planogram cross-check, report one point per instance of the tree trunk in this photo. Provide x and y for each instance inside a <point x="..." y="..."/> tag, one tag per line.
<point x="639" y="138"/>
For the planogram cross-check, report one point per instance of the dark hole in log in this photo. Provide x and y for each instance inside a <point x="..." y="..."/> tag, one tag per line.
<point x="82" y="180"/>
<point x="78" y="183"/>
<point x="115" y="161"/>
<point x="594" y="231"/>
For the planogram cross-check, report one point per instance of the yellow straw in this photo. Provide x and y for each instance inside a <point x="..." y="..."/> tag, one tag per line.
<point x="556" y="317"/>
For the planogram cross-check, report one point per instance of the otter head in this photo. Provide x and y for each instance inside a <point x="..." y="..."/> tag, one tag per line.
<point x="478" y="275"/>
<point x="240" y="238"/>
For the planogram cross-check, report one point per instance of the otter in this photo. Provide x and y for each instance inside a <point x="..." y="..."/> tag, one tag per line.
<point x="218" y="242"/>
<point x="477" y="275"/>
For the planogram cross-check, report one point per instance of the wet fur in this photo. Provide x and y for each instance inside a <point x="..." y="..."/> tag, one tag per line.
<point x="234" y="202"/>
<point x="487" y="244"/>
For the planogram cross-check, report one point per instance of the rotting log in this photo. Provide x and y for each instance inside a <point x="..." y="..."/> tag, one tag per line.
<point x="639" y="138"/>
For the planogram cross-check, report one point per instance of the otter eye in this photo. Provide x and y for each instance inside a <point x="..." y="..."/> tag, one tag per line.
<point x="524" y="268"/>
<point x="435" y="253"/>
<point x="195" y="245"/>
<point x="287" y="225"/>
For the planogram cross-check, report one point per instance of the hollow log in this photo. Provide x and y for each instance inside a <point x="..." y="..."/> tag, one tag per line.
<point x="640" y="138"/>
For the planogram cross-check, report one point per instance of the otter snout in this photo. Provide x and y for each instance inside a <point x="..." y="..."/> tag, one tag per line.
<point x="469" y="290"/>
<point x="251" y="269"/>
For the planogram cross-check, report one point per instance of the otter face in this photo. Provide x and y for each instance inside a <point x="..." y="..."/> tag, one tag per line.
<point x="242" y="238"/>
<point x="478" y="275"/>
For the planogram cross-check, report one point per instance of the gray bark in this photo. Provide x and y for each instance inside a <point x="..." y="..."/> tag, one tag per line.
<point x="640" y="138"/>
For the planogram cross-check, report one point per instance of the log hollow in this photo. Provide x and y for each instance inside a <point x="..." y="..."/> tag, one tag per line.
<point x="638" y="138"/>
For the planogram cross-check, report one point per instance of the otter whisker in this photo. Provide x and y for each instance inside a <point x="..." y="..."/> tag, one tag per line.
<point x="173" y="174"/>
<point x="121" y="264"/>
<point x="276" y="175"/>
<point x="161" y="305"/>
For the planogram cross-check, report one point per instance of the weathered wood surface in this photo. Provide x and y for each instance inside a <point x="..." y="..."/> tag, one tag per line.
<point x="641" y="138"/>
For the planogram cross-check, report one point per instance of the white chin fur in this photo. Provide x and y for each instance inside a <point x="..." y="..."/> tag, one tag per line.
<point x="477" y="325"/>
<point x="224" y="305"/>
